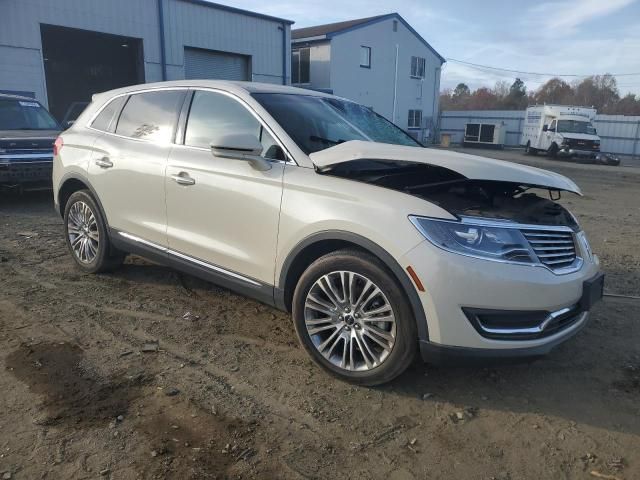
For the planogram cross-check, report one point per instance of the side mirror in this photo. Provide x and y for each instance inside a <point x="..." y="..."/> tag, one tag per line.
<point x="545" y="128"/>
<point x="241" y="146"/>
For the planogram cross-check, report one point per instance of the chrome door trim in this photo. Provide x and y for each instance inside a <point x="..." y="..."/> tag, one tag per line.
<point x="190" y="259"/>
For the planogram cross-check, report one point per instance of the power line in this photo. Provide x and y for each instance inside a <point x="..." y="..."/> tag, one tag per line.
<point x="477" y="65"/>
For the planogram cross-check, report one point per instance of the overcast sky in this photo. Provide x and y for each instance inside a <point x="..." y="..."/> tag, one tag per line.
<point x="581" y="37"/>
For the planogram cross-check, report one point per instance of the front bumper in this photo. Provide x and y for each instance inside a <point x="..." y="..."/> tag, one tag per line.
<point x="455" y="284"/>
<point x="573" y="152"/>
<point x="447" y="355"/>
<point x="21" y="172"/>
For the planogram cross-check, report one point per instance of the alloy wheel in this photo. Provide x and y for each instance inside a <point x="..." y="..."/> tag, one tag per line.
<point x="82" y="229"/>
<point x="350" y="321"/>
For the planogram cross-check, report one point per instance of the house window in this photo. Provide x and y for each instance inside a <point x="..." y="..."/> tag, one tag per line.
<point x="417" y="67"/>
<point x="415" y="119"/>
<point x="365" y="57"/>
<point x="300" y="65"/>
<point x="395" y="25"/>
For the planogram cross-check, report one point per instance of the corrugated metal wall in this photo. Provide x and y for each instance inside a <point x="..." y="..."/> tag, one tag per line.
<point x="215" y="65"/>
<point x="187" y="24"/>
<point x="620" y="134"/>
<point x="192" y="25"/>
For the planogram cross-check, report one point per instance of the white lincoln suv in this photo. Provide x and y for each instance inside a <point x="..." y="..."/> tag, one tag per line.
<point x="380" y="248"/>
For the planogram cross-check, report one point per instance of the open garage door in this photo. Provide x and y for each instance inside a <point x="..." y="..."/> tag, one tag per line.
<point x="79" y="63"/>
<point x="213" y="65"/>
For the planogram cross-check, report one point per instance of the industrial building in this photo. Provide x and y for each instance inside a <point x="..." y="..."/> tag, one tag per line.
<point x="61" y="52"/>
<point x="381" y="62"/>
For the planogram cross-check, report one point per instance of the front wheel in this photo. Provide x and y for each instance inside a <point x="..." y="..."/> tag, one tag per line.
<point x="353" y="318"/>
<point x="86" y="235"/>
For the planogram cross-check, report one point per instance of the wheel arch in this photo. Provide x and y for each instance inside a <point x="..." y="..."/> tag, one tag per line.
<point x="321" y="243"/>
<point x="70" y="184"/>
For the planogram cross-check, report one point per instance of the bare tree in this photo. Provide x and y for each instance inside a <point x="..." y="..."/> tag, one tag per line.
<point x="600" y="91"/>
<point x="555" y="91"/>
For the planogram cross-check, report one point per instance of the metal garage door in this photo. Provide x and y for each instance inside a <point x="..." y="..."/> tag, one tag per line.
<point x="215" y="65"/>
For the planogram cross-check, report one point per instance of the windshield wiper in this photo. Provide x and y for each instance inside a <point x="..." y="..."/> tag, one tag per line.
<point x="315" y="138"/>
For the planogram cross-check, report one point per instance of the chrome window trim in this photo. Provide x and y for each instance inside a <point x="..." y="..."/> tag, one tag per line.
<point x="290" y="159"/>
<point x="188" y="258"/>
<point x="576" y="266"/>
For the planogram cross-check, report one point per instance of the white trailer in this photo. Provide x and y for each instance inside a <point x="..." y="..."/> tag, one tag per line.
<point x="560" y="130"/>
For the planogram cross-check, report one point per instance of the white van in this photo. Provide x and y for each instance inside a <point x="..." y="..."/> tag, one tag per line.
<point x="560" y="130"/>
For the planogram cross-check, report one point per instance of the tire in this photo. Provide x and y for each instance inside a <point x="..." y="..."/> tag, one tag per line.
<point x="529" y="150"/>
<point x="84" y="225"/>
<point x="553" y="151"/>
<point x="345" y="334"/>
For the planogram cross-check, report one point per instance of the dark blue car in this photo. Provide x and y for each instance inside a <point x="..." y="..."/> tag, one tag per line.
<point x="27" y="133"/>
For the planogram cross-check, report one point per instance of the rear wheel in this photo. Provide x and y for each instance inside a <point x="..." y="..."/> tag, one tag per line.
<point x="86" y="235"/>
<point x="353" y="318"/>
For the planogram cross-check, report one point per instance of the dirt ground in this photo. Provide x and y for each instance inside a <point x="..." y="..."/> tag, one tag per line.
<point x="230" y="394"/>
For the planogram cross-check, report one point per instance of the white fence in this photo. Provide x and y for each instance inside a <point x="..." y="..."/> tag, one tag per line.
<point x="620" y="134"/>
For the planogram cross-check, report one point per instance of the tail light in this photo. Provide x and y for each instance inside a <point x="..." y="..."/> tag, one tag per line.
<point x="57" y="146"/>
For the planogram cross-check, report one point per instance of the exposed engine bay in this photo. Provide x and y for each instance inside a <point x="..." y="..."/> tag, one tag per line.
<point x="459" y="195"/>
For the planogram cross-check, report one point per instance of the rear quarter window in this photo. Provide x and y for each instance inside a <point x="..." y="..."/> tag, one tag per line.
<point x="151" y="115"/>
<point x="105" y="119"/>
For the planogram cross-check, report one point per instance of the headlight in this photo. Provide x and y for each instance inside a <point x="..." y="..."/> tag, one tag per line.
<point x="476" y="240"/>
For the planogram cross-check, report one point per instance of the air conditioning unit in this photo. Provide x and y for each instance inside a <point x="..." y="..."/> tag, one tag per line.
<point x="493" y="134"/>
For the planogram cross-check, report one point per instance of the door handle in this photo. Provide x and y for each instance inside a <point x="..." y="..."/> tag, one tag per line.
<point x="104" y="162"/>
<point x="183" y="178"/>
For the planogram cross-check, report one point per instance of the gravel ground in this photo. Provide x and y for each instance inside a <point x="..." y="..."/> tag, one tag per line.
<point x="148" y="373"/>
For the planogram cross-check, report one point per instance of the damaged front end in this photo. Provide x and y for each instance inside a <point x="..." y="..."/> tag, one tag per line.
<point x="461" y="196"/>
<point x="500" y="218"/>
<point x="464" y="185"/>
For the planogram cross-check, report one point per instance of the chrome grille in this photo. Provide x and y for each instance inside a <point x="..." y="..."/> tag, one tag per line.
<point x="555" y="249"/>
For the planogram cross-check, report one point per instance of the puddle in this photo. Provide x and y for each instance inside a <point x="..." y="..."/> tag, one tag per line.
<point x="72" y="392"/>
<point x="189" y="443"/>
<point x="631" y="381"/>
<point x="183" y="440"/>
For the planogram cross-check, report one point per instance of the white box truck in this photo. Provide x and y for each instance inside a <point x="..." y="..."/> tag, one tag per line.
<point x="560" y="130"/>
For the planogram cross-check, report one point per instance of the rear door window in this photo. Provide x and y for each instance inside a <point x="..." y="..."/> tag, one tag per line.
<point x="151" y="115"/>
<point x="104" y="120"/>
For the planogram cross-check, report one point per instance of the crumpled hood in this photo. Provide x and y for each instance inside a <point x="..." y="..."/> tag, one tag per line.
<point x="472" y="167"/>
